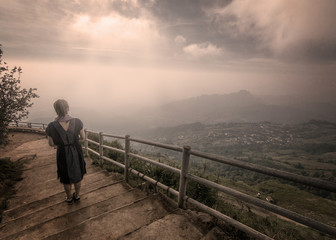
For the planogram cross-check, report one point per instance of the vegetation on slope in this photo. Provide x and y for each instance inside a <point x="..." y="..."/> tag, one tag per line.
<point x="10" y="173"/>
<point x="285" y="195"/>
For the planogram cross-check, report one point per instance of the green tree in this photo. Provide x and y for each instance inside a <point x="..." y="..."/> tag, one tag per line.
<point x="14" y="100"/>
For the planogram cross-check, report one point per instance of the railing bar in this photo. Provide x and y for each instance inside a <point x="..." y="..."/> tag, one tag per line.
<point x="113" y="161"/>
<point x="94" y="142"/>
<point x="28" y="122"/>
<point x="273" y="208"/>
<point x="151" y="180"/>
<point x="228" y="220"/>
<point x="113" y="136"/>
<point x="166" y="146"/>
<point x="93" y="151"/>
<point x="25" y="129"/>
<point x="89" y="131"/>
<point x="174" y="170"/>
<point x="269" y="171"/>
<point x="114" y="149"/>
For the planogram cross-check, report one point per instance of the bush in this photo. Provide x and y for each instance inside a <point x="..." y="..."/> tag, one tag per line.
<point x="10" y="172"/>
<point x="14" y="101"/>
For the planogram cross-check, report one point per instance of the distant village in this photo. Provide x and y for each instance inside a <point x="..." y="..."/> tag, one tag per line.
<point x="242" y="134"/>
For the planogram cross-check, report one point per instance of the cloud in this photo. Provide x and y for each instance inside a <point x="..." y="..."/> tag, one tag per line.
<point x="180" y="39"/>
<point x="202" y="50"/>
<point x="287" y="29"/>
<point x="301" y="30"/>
<point x="77" y="29"/>
<point x="115" y="32"/>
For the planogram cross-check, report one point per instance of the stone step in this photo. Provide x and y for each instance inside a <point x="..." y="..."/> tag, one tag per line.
<point x="38" y="191"/>
<point x="29" y="167"/>
<point x="172" y="226"/>
<point x="36" y="179"/>
<point x="60" y="208"/>
<point x="47" y="172"/>
<point x="28" y="202"/>
<point x="116" y="222"/>
<point x="74" y="218"/>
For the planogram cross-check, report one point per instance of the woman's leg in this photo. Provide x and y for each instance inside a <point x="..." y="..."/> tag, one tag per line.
<point x="77" y="188"/>
<point x="67" y="188"/>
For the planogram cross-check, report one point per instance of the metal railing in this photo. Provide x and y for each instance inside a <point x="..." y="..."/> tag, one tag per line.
<point x="184" y="175"/>
<point x="32" y="125"/>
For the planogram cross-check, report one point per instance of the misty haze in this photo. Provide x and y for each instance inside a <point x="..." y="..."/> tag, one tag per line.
<point x="252" y="81"/>
<point x="143" y="64"/>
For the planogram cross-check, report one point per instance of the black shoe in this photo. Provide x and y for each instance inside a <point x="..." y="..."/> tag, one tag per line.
<point x="76" y="199"/>
<point x="69" y="201"/>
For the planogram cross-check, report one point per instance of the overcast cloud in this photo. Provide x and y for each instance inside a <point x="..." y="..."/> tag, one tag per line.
<point x="141" y="52"/>
<point x="301" y="30"/>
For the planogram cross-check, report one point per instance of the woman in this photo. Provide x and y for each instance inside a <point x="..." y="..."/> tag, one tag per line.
<point x="65" y="133"/>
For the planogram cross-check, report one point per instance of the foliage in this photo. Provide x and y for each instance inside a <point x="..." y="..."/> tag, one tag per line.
<point x="107" y="153"/>
<point x="269" y="225"/>
<point x="201" y="193"/>
<point x="14" y="101"/>
<point x="10" y="172"/>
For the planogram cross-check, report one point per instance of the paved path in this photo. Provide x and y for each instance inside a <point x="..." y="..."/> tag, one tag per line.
<point x="109" y="208"/>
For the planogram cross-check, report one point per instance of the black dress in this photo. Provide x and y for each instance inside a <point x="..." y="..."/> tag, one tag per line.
<point x="70" y="159"/>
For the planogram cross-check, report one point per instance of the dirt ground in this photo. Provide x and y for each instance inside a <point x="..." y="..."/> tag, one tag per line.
<point x="11" y="174"/>
<point x="18" y="138"/>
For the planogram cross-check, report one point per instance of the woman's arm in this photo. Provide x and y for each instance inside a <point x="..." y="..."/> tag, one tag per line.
<point x="50" y="141"/>
<point x="81" y="134"/>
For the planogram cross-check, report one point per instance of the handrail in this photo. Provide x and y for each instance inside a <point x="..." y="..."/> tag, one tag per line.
<point x="270" y="207"/>
<point x="113" y="136"/>
<point x="318" y="183"/>
<point x="89" y="131"/>
<point x="166" y="146"/>
<point x="113" y="149"/>
<point x="227" y="219"/>
<point x="28" y="125"/>
<point x="94" y="142"/>
<point x="186" y="150"/>
<point x="183" y="172"/>
<point x="265" y="170"/>
<point x="169" y="168"/>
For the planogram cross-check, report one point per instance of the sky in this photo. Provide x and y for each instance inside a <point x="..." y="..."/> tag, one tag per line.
<point x="117" y="55"/>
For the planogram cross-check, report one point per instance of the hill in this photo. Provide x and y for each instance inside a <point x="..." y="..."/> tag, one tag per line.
<point x="241" y="106"/>
<point x="244" y="107"/>
<point x="306" y="149"/>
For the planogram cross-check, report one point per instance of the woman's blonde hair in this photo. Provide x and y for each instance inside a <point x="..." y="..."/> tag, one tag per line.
<point x="61" y="107"/>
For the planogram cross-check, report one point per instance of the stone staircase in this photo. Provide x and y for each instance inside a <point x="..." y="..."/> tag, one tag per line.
<point x="109" y="208"/>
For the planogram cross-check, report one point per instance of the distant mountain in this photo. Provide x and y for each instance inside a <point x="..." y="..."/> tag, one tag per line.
<point x="241" y="106"/>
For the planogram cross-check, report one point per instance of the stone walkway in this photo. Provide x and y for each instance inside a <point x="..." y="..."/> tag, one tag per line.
<point x="109" y="208"/>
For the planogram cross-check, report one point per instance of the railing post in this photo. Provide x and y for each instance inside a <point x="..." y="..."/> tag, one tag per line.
<point x="127" y="150"/>
<point x="184" y="171"/>
<point x="101" y="149"/>
<point x="86" y="143"/>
